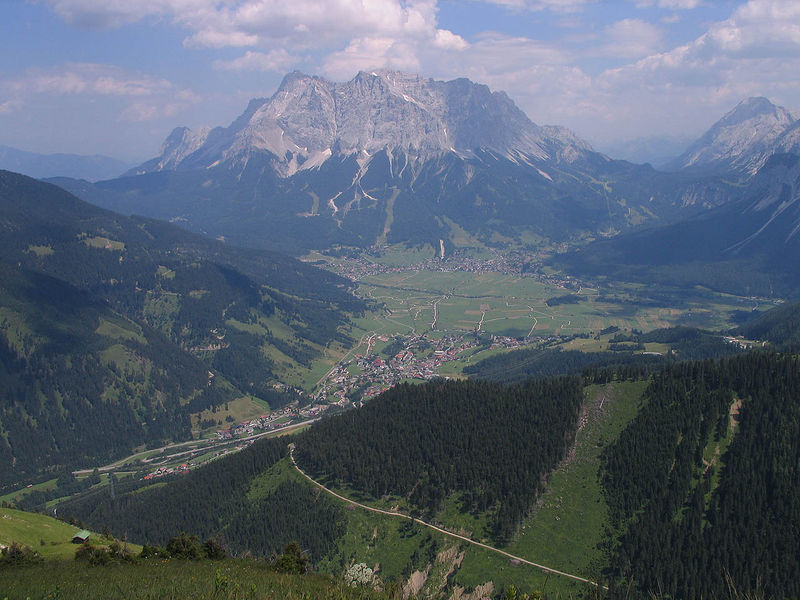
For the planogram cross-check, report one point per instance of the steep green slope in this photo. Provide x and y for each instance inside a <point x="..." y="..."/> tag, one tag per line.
<point x="114" y="329"/>
<point x="702" y="485"/>
<point x="780" y="326"/>
<point x="490" y="444"/>
<point x="748" y="246"/>
<point x="82" y="383"/>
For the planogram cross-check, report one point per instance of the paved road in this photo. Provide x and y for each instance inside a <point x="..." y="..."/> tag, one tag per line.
<point x="439" y="529"/>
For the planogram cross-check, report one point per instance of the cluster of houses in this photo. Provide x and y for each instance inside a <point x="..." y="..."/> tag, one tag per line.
<point x="164" y="471"/>
<point x="367" y="375"/>
<point x="511" y="263"/>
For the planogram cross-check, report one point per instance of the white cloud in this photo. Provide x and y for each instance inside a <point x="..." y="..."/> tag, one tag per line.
<point x="669" y="4"/>
<point x="754" y="52"/>
<point x="539" y="5"/>
<point x="447" y="40"/>
<point x="299" y="23"/>
<point x="143" y="97"/>
<point x="10" y="106"/>
<point x="274" y="60"/>
<point x="630" y="38"/>
<point x="370" y="53"/>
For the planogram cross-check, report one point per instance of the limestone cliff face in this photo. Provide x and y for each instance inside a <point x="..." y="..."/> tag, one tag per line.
<point x="310" y="119"/>
<point x="744" y="138"/>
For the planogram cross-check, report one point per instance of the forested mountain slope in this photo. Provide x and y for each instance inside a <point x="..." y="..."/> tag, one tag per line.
<point x="684" y="343"/>
<point x="490" y="445"/>
<point x="113" y="330"/>
<point x="702" y="485"/>
<point x="750" y="246"/>
<point x="780" y="326"/>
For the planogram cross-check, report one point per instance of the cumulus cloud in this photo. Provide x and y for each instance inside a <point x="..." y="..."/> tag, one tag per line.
<point x="631" y="38"/>
<point x="274" y="60"/>
<point x="357" y="33"/>
<point x="150" y="97"/>
<point x="299" y="24"/>
<point x="371" y="53"/>
<point x="756" y="49"/>
<point x="539" y="5"/>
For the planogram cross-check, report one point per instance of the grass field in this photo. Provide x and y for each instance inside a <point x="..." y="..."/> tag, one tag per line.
<point x="447" y="302"/>
<point x="171" y="580"/>
<point x="49" y="537"/>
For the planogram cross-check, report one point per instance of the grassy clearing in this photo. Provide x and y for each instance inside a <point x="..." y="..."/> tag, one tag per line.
<point x="567" y="527"/>
<point x="241" y="409"/>
<point x="41" y="251"/>
<point x="120" y="329"/>
<point x="104" y="243"/>
<point x="49" y="537"/>
<point x="563" y="532"/>
<point x="171" y="580"/>
<point x="17" y="495"/>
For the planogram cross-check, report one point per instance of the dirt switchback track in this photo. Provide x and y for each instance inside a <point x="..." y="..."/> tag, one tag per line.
<point x="439" y="529"/>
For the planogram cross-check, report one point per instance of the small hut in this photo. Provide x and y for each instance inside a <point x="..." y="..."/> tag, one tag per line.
<point x="81" y="537"/>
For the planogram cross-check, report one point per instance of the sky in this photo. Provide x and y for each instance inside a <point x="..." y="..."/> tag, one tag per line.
<point x="114" y="77"/>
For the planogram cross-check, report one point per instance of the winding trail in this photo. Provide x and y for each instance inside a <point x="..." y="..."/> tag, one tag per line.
<point x="435" y="528"/>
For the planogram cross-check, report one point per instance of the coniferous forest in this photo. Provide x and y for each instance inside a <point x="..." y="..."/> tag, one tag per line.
<point x="113" y="330"/>
<point x="690" y="520"/>
<point x="492" y="444"/>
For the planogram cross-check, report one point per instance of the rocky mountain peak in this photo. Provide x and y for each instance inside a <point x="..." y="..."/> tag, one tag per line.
<point x="742" y="140"/>
<point x="309" y="119"/>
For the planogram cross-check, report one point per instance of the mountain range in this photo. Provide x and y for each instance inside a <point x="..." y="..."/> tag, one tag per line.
<point x="32" y="164"/>
<point x="749" y="246"/>
<point x="393" y="157"/>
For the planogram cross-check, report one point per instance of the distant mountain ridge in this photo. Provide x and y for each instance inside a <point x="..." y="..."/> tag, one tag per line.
<point x="749" y="246"/>
<point x="743" y="139"/>
<point x="33" y="164"/>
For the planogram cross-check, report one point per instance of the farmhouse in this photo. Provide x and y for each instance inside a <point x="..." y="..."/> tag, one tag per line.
<point x="81" y="537"/>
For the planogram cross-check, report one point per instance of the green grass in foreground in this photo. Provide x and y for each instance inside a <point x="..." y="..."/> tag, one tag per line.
<point x="170" y="579"/>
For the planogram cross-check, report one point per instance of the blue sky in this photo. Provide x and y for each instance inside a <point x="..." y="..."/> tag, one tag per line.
<point x="115" y="76"/>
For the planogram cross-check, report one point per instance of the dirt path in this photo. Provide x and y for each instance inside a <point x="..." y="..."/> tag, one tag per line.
<point x="435" y="528"/>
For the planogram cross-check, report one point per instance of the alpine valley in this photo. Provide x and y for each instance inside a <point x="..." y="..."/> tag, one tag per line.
<point x="394" y="332"/>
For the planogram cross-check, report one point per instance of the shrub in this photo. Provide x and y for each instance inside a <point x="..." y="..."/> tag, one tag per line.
<point x="104" y="555"/>
<point x="358" y="575"/>
<point x="293" y="560"/>
<point x="153" y="552"/>
<point x="18" y="555"/>
<point x="186" y="546"/>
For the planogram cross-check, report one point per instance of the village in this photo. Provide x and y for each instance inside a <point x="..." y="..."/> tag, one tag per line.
<point x="517" y="263"/>
<point x="404" y="358"/>
<point x="354" y="380"/>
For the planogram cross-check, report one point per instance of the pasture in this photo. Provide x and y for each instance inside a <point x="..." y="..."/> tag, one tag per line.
<point x="440" y="302"/>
